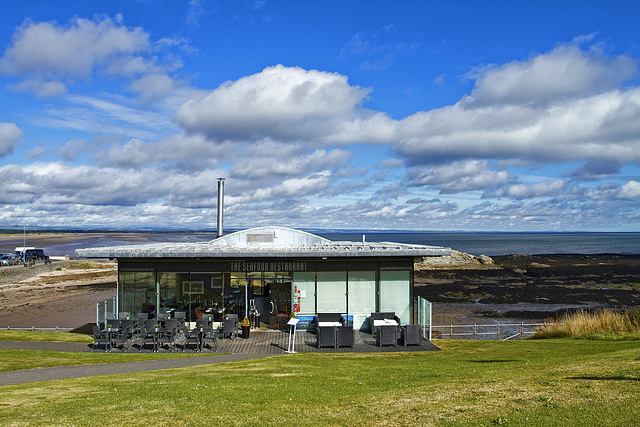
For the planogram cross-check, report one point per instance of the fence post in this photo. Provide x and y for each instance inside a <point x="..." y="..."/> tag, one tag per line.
<point x="451" y="331"/>
<point x="475" y="331"/>
<point x="521" y="330"/>
<point x="498" y="331"/>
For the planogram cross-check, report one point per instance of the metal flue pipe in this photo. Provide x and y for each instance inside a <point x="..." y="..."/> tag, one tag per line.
<point x="220" y="204"/>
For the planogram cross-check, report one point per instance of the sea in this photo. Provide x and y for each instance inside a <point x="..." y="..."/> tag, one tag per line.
<point x="492" y="244"/>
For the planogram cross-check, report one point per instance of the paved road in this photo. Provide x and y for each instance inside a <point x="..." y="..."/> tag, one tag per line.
<point x="66" y="372"/>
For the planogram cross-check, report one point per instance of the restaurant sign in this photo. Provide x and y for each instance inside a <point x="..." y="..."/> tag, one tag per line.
<point x="269" y="266"/>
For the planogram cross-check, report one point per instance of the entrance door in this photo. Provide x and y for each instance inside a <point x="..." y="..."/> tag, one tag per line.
<point x="279" y="299"/>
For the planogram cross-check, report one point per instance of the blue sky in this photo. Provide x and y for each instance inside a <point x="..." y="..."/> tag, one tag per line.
<point x="416" y="115"/>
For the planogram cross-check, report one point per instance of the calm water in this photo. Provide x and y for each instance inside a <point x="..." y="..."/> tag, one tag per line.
<point x="474" y="243"/>
<point x="513" y="243"/>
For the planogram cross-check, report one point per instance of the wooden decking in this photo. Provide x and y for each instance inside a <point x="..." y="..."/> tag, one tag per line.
<point x="276" y="342"/>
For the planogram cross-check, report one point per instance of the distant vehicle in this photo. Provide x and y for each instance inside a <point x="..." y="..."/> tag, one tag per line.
<point x="8" y="259"/>
<point x="31" y="254"/>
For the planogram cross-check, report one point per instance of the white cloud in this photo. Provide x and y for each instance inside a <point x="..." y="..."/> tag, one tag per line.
<point x="468" y="175"/>
<point x="277" y="165"/>
<point x="280" y="102"/>
<point x="630" y="191"/>
<point x="48" y="56"/>
<point x="524" y="191"/>
<point x="153" y="86"/>
<point x="565" y="72"/>
<point x="9" y="135"/>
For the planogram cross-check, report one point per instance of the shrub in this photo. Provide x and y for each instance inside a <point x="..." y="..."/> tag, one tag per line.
<point x="593" y="324"/>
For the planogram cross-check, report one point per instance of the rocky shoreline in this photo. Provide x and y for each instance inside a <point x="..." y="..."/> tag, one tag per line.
<point x="530" y="287"/>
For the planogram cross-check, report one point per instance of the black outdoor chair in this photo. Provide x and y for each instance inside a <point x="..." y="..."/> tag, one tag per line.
<point x="387" y="335"/>
<point x="168" y="335"/>
<point x="121" y="338"/>
<point x="211" y="338"/>
<point x="230" y="327"/>
<point x="99" y="337"/>
<point x="190" y="337"/>
<point x="148" y="334"/>
<point x="410" y="335"/>
<point x="345" y="336"/>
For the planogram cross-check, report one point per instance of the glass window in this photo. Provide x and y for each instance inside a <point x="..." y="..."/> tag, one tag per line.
<point x="304" y="292"/>
<point x="332" y="289"/>
<point x="395" y="294"/>
<point x="362" y="297"/>
<point x="137" y="292"/>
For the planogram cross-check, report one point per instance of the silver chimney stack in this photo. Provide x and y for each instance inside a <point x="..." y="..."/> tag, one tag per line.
<point x="220" y="204"/>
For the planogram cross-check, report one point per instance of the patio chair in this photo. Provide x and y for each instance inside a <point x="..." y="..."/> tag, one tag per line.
<point x="123" y="315"/>
<point x="211" y="338"/>
<point x="99" y="337"/>
<point x="190" y="337"/>
<point x="387" y="335"/>
<point x="345" y="336"/>
<point x="148" y="335"/>
<point x="168" y="335"/>
<point x="180" y="316"/>
<point x="230" y="327"/>
<point x="410" y="335"/>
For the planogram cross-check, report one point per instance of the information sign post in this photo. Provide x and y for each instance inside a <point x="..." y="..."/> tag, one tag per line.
<point x="293" y="322"/>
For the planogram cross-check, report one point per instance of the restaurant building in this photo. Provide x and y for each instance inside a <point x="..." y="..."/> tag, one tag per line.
<point x="266" y="274"/>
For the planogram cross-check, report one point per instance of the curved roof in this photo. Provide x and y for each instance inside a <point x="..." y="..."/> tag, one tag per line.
<point x="265" y="242"/>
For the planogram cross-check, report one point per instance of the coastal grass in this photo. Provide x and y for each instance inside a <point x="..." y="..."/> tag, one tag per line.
<point x="11" y="360"/>
<point x="13" y="335"/>
<point x="532" y="382"/>
<point x="594" y="324"/>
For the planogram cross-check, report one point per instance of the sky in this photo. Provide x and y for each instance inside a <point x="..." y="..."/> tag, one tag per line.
<point x="363" y="115"/>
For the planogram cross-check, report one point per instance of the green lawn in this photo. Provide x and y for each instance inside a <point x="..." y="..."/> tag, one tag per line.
<point x="530" y="382"/>
<point x="11" y="335"/>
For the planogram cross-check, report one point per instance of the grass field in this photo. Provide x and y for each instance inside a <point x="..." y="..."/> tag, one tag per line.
<point x="527" y="382"/>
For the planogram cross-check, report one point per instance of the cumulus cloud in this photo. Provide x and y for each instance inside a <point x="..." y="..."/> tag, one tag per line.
<point x="532" y="191"/>
<point x="630" y="191"/>
<point x="467" y="175"/>
<point x="565" y="72"/>
<point x="280" y="102"/>
<point x="565" y="105"/>
<point x="274" y="165"/>
<point x="9" y="135"/>
<point x="48" y="56"/>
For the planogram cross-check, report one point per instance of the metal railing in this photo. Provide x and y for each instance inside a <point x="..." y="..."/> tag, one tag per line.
<point x="497" y="331"/>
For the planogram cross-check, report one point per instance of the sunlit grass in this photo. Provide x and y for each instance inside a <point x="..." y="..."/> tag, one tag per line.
<point x="12" y="335"/>
<point x="525" y="382"/>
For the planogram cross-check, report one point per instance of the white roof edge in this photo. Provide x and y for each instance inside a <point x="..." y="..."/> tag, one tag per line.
<point x="294" y="243"/>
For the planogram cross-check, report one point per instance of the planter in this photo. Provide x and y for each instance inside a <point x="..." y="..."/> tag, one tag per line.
<point x="245" y="331"/>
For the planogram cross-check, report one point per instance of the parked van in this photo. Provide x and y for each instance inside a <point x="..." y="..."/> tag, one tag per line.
<point x="31" y="252"/>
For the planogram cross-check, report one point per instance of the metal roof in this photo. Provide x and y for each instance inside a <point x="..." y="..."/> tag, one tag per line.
<point x="266" y="242"/>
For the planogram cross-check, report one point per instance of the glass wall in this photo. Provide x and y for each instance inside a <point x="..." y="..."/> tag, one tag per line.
<point x="137" y="292"/>
<point x="353" y="288"/>
<point x="362" y="297"/>
<point x="332" y="291"/>
<point x="395" y="294"/>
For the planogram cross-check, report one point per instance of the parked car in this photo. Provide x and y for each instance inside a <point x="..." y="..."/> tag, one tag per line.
<point x="7" y="259"/>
